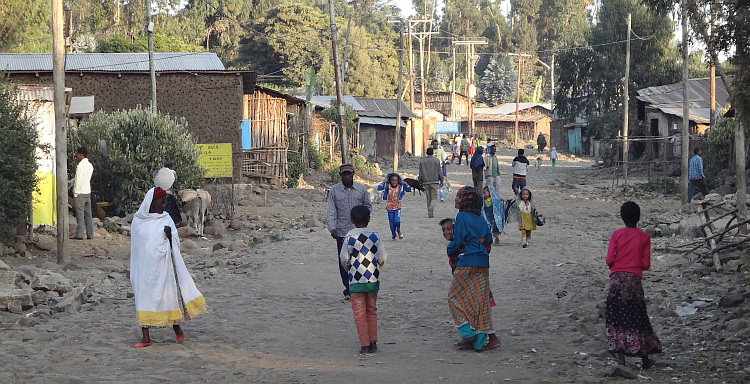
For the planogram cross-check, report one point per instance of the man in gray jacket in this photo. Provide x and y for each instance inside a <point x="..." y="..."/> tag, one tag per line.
<point x="431" y="176"/>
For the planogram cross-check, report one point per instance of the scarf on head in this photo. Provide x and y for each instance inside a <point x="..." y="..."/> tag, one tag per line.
<point x="469" y="200"/>
<point x="477" y="160"/>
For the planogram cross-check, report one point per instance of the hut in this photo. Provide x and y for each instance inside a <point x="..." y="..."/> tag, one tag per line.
<point x="270" y="115"/>
<point x="377" y="126"/>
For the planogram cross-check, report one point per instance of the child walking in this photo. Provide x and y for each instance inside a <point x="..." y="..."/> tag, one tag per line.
<point x="393" y="188"/>
<point x="526" y="212"/>
<point x="493" y="206"/>
<point x="363" y="255"/>
<point x="447" y="225"/>
<point x="629" y="330"/>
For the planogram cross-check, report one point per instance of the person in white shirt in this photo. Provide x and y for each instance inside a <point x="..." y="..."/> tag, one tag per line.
<point x="82" y="195"/>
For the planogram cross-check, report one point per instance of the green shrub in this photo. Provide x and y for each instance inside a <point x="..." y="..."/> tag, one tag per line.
<point x="19" y="141"/>
<point x="718" y="155"/>
<point x="361" y="166"/>
<point x="315" y="157"/>
<point x="482" y="136"/>
<point x="296" y="168"/>
<point x="511" y="139"/>
<point x="125" y="147"/>
<point x="111" y="227"/>
<point x="664" y="185"/>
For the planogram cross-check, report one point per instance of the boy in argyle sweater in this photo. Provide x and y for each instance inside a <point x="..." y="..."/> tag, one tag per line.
<point x="363" y="255"/>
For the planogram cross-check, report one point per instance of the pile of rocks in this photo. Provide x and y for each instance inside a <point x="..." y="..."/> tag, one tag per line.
<point x="42" y="290"/>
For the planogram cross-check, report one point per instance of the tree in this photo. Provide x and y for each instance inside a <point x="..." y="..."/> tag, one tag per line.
<point x="125" y="147"/>
<point x="19" y="142"/>
<point x="590" y="82"/>
<point x="291" y="40"/>
<point x="24" y="26"/>
<point x="497" y="84"/>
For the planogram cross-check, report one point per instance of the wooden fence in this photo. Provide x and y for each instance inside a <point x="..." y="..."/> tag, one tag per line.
<point x="267" y="159"/>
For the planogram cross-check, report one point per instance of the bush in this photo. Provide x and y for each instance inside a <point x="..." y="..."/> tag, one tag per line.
<point x="718" y="155"/>
<point x="126" y="147"/>
<point x="296" y="168"/>
<point x="315" y="157"/>
<point x="511" y="139"/>
<point x="664" y="185"/>
<point x="18" y="140"/>
<point x="361" y="166"/>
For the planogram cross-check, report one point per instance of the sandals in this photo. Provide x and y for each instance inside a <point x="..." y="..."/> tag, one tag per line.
<point x="142" y="345"/>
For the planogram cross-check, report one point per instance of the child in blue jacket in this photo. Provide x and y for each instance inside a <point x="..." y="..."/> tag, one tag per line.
<point x="393" y="188"/>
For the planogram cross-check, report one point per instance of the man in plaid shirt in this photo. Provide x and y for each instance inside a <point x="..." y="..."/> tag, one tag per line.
<point x="696" y="176"/>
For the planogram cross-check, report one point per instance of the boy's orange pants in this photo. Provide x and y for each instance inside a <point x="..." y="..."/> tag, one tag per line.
<point x="365" y="316"/>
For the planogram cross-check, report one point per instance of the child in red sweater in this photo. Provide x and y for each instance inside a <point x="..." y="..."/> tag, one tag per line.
<point x="629" y="330"/>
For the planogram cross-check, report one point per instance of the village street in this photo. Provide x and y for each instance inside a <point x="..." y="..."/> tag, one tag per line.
<point x="276" y="314"/>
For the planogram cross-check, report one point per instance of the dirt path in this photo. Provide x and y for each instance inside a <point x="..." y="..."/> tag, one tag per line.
<point x="276" y="314"/>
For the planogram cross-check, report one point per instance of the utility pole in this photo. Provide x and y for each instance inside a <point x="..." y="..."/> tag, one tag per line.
<point x="712" y="71"/>
<point x="518" y="91"/>
<point x="346" y="49"/>
<point x="399" y="91"/>
<point x="684" y="164"/>
<point x="151" y="65"/>
<point x="552" y="81"/>
<point x="470" y="62"/>
<point x="397" y="141"/>
<point x="422" y="77"/>
<point x="625" y="106"/>
<point x="339" y="87"/>
<point x="61" y="137"/>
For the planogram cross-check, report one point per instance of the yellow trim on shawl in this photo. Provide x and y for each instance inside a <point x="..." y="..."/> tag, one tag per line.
<point x="168" y="318"/>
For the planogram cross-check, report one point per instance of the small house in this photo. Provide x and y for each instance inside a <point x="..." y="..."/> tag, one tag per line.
<point x="377" y="127"/>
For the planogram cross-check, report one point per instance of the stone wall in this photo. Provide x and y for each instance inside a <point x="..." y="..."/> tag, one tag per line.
<point x="210" y="102"/>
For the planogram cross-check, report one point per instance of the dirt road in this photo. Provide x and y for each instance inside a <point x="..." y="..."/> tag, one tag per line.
<point x="276" y="314"/>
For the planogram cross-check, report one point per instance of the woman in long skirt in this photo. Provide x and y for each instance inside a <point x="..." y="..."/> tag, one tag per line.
<point x="629" y="331"/>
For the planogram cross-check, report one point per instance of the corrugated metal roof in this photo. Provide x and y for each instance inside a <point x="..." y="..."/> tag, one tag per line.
<point x="380" y="121"/>
<point x="383" y="108"/>
<point x="510" y="108"/>
<point x="507" y="118"/>
<point x="670" y="95"/>
<point x="113" y="62"/>
<point x="325" y="102"/>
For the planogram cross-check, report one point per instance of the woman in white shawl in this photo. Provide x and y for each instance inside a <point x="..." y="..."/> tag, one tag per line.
<point x="165" y="294"/>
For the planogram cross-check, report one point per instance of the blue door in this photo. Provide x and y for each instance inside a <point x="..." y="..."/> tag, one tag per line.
<point x="574" y="141"/>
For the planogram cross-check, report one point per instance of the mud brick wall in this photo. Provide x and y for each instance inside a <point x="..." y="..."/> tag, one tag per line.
<point x="211" y="103"/>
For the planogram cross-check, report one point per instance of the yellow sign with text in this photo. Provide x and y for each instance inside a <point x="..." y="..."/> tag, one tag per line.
<point x="216" y="159"/>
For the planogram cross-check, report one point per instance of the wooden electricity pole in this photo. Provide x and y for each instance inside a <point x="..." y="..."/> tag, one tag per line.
<point x="626" y="110"/>
<point x="470" y="61"/>
<point x="61" y="137"/>
<point x="151" y="65"/>
<point x="399" y="91"/>
<point x="339" y="86"/>
<point x="518" y="91"/>
<point x="685" y="163"/>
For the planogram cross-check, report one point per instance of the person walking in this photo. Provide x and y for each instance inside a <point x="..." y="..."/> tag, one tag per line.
<point x="469" y="297"/>
<point x="440" y="154"/>
<point x="492" y="169"/>
<point x="430" y="177"/>
<point x="165" y="293"/>
<point x="696" y="176"/>
<point x="82" y="195"/>
<point x="464" y="150"/>
<point x="629" y="330"/>
<point x="342" y="197"/>
<point x="553" y="155"/>
<point x="541" y="142"/>
<point x="520" y="168"/>
<point x="393" y="188"/>
<point x="363" y="255"/>
<point x="477" y="168"/>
